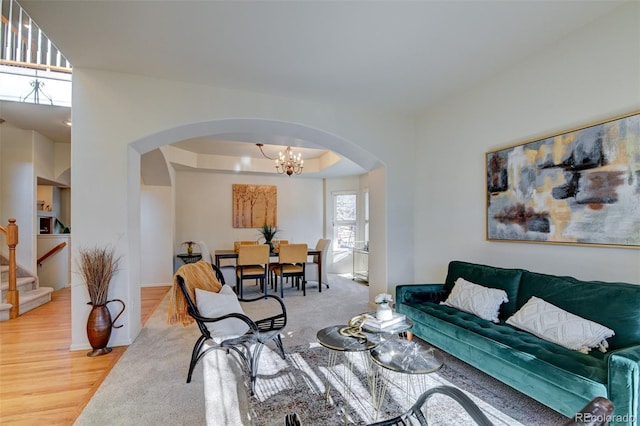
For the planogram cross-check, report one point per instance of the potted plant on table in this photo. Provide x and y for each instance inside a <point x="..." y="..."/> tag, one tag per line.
<point x="384" y="312"/>
<point x="189" y="245"/>
<point x="97" y="266"/>
<point x="268" y="232"/>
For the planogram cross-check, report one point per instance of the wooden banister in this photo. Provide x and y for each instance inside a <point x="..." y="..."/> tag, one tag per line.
<point x="11" y="234"/>
<point x="51" y="252"/>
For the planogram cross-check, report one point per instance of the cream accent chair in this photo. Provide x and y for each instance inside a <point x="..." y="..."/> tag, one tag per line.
<point x="229" y="272"/>
<point x="253" y="263"/>
<point x="206" y="254"/>
<point x="291" y="264"/>
<point x="312" y="267"/>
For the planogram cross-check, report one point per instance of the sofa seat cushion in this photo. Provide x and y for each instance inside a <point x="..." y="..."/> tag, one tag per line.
<point x="591" y="366"/>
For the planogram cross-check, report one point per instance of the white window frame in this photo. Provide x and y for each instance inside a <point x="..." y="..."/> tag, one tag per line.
<point x="337" y="223"/>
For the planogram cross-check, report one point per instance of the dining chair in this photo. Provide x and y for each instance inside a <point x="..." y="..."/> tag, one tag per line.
<point x="237" y="244"/>
<point x="253" y="263"/>
<point x="272" y="265"/>
<point x="204" y="250"/>
<point x="291" y="264"/>
<point x="312" y="267"/>
<point x="277" y="244"/>
<point x="228" y="271"/>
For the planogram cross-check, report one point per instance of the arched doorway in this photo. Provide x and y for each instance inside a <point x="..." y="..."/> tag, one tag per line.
<point x="268" y="129"/>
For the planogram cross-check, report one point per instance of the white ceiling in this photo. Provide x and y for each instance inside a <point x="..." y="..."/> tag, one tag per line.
<point x="46" y="119"/>
<point x="396" y="56"/>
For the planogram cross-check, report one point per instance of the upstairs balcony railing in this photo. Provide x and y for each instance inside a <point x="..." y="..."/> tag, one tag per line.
<point x="24" y="44"/>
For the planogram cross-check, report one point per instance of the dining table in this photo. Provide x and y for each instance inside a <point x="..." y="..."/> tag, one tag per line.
<point x="232" y="254"/>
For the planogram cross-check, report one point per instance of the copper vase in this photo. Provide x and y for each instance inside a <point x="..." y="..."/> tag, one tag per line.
<point x="99" y="325"/>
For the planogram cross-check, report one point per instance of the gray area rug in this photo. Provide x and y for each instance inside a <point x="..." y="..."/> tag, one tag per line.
<point x="298" y="385"/>
<point x="147" y="386"/>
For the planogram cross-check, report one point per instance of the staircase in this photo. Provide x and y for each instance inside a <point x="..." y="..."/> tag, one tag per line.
<point x="16" y="283"/>
<point x="31" y="295"/>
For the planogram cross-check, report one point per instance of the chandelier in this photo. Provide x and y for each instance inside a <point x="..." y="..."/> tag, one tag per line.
<point x="287" y="162"/>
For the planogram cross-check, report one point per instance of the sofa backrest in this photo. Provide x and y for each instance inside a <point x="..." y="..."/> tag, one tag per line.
<point x="488" y="276"/>
<point x="614" y="305"/>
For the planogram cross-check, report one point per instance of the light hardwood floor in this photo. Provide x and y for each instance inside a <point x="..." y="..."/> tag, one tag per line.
<point x="41" y="381"/>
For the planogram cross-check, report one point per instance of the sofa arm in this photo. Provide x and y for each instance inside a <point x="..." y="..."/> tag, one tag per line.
<point x="624" y="382"/>
<point x="416" y="293"/>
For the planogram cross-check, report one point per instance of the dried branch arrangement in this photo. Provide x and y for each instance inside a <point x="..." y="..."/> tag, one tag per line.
<point x="97" y="266"/>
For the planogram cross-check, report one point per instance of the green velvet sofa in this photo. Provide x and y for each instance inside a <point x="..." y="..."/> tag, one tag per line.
<point x="560" y="378"/>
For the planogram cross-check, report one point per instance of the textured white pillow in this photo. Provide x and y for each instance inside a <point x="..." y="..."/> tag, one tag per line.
<point x="213" y="305"/>
<point x="551" y="323"/>
<point x="476" y="299"/>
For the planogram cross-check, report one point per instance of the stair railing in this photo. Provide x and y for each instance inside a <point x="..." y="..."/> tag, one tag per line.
<point x="24" y="44"/>
<point x="51" y="252"/>
<point x="11" y="236"/>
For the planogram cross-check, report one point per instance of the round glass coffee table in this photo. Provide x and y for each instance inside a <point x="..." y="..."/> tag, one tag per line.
<point x="404" y="361"/>
<point x="350" y="347"/>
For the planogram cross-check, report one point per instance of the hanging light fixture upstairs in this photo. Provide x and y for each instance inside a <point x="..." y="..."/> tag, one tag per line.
<point x="287" y="162"/>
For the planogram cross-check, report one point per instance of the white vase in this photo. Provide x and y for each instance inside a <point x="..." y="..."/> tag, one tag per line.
<point x="384" y="312"/>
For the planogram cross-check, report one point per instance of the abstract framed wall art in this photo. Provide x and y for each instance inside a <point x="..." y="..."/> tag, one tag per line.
<point x="255" y="205"/>
<point x="579" y="187"/>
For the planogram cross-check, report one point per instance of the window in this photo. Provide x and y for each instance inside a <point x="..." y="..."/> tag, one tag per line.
<point x="344" y="220"/>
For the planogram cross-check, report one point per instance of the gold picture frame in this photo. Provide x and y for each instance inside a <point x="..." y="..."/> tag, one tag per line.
<point x="255" y="205"/>
<point x="579" y="187"/>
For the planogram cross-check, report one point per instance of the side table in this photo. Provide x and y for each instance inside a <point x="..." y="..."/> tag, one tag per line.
<point x="412" y="359"/>
<point x="330" y="338"/>
<point x="189" y="258"/>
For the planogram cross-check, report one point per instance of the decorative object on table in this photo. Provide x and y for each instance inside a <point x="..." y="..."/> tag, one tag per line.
<point x="287" y="162"/>
<point x="576" y="187"/>
<point x="189" y="245"/>
<point x="372" y="322"/>
<point x="354" y="329"/>
<point x="268" y="232"/>
<point x="254" y="205"/>
<point x="97" y="266"/>
<point x="384" y="311"/>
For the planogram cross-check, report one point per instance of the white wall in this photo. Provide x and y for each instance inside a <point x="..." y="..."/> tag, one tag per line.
<point x="204" y="209"/>
<point x="203" y="212"/>
<point x="55" y="272"/>
<point x="62" y="162"/>
<point x="18" y="191"/>
<point x="592" y="75"/>
<point x="156" y="236"/>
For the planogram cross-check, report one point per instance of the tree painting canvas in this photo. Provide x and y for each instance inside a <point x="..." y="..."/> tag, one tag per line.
<point x="578" y="187"/>
<point x="255" y="205"/>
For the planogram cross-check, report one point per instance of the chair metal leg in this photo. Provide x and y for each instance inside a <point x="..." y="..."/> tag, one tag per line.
<point x="282" y="286"/>
<point x="280" y="347"/>
<point x="255" y="360"/>
<point x="197" y="355"/>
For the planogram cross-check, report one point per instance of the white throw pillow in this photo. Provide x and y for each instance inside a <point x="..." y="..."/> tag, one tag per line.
<point x="555" y="325"/>
<point x="214" y="305"/>
<point x="478" y="300"/>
